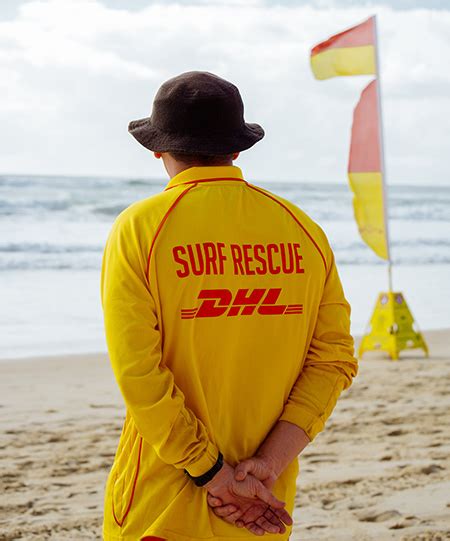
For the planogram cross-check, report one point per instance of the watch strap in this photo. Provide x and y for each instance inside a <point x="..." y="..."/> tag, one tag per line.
<point x="201" y="480"/>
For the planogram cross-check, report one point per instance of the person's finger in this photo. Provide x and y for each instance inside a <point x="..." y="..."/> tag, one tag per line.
<point x="227" y="511"/>
<point x="231" y="519"/>
<point x="242" y="469"/>
<point x="213" y="501"/>
<point x="266" y="525"/>
<point x="254" y="528"/>
<point x="266" y="496"/>
<point x="258" y="510"/>
<point x="274" y="519"/>
<point x="239" y="523"/>
<point x="284" y="516"/>
<point x="254" y="512"/>
<point x="253" y="488"/>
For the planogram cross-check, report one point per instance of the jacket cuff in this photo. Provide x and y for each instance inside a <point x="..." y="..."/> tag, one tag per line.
<point x="207" y="460"/>
<point x="304" y="419"/>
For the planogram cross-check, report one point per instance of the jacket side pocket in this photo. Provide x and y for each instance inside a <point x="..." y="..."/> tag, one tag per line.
<point x="126" y="471"/>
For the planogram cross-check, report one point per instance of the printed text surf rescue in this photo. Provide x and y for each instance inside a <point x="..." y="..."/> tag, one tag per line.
<point x="245" y="259"/>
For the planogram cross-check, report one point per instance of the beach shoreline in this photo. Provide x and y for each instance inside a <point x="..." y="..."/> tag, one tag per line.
<point x="380" y="470"/>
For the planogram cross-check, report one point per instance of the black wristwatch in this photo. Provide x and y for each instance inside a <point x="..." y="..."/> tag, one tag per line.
<point x="201" y="480"/>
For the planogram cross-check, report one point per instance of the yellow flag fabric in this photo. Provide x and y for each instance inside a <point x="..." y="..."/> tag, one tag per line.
<point x="342" y="62"/>
<point x="351" y="52"/>
<point x="369" y="210"/>
<point x="364" y="171"/>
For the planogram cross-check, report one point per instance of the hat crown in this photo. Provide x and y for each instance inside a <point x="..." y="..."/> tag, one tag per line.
<point x="197" y="112"/>
<point x="197" y="103"/>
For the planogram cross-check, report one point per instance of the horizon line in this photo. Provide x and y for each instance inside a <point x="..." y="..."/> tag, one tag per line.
<point x="161" y="180"/>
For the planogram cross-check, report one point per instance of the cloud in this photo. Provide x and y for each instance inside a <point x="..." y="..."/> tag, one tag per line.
<point x="64" y="35"/>
<point x="73" y="73"/>
<point x="321" y="4"/>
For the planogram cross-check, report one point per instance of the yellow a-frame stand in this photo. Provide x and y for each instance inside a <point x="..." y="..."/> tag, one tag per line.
<point x="392" y="327"/>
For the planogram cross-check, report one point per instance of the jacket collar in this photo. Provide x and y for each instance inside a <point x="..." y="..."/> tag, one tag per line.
<point x="205" y="174"/>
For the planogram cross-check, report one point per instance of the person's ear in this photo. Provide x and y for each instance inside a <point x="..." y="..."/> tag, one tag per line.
<point x="157" y="155"/>
<point x="235" y="156"/>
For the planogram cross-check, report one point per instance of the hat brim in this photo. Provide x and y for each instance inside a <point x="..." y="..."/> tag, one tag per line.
<point x="158" y="141"/>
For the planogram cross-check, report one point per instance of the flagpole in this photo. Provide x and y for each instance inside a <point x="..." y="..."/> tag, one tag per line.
<point x="381" y="143"/>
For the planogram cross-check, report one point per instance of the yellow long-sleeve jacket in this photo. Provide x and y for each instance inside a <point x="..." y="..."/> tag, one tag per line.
<point x="224" y="313"/>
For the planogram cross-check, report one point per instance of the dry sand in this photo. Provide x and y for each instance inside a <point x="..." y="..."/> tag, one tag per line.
<point x="379" y="471"/>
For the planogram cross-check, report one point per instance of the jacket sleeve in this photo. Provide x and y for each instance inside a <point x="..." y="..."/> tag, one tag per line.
<point x="329" y="365"/>
<point x="133" y="336"/>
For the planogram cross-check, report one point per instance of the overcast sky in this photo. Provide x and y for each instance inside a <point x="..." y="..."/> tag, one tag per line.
<point x="73" y="73"/>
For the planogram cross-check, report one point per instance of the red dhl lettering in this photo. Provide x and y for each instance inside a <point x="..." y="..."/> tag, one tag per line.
<point x="246" y="302"/>
<point x="211" y="258"/>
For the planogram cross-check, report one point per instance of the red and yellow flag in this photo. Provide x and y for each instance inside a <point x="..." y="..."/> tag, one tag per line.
<point x="365" y="172"/>
<point x="351" y="52"/>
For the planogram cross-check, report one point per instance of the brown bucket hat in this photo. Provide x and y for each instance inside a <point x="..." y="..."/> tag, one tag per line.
<point x="197" y="113"/>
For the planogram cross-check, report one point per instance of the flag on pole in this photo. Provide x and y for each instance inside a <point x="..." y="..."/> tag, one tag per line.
<point x="351" y="52"/>
<point x="365" y="172"/>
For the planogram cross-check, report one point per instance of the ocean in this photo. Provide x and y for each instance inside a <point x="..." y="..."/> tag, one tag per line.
<point x="53" y="229"/>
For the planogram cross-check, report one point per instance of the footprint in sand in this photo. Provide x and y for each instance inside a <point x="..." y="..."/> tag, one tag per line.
<point x="436" y="444"/>
<point x="433" y="431"/>
<point x="406" y="523"/>
<point x="321" y="460"/>
<point x="42" y="511"/>
<point x="432" y="468"/>
<point x="435" y="456"/>
<point x="355" y="506"/>
<point x="56" y="438"/>
<point x="101" y="406"/>
<point x="328" y="504"/>
<point x="351" y="482"/>
<point x="379" y="517"/>
<point x="25" y="463"/>
<point x="393" y="421"/>
<point x="398" y="432"/>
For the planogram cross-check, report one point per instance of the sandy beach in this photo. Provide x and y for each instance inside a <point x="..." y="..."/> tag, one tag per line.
<point x="380" y="470"/>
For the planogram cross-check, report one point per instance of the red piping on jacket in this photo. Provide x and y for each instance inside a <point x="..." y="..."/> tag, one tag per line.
<point x="160" y="226"/>
<point x="205" y="180"/>
<point x="295" y="218"/>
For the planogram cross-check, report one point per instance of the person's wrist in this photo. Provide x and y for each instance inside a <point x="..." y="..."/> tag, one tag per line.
<point x="270" y="463"/>
<point x="221" y="477"/>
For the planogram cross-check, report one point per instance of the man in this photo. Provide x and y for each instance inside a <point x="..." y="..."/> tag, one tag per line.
<point x="227" y="330"/>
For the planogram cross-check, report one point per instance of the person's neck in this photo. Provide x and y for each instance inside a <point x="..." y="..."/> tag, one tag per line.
<point x="178" y="167"/>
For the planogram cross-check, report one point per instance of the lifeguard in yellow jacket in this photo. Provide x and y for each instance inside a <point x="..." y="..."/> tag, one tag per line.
<point x="227" y="330"/>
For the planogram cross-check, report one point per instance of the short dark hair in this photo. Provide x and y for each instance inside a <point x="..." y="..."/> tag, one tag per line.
<point x="201" y="159"/>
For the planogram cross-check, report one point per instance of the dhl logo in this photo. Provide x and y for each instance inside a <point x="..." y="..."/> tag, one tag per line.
<point x="246" y="302"/>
